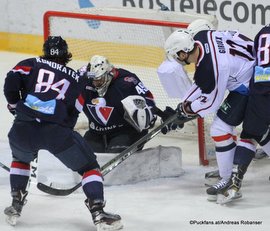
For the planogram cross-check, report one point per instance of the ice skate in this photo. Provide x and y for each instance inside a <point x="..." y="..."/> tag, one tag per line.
<point x="13" y="212"/>
<point x="233" y="188"/>
<point x="217" y="188"/>
<point x="103" y="221"/>
<point x="229" y="196"/>
<point x="259" y="154"/>
<point x="211" y="178"/>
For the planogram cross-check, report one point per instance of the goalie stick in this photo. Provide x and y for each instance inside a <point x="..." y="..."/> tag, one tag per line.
<point x="113" y="163"/>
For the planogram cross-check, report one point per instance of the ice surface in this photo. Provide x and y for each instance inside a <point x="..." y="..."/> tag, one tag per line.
<point x="168" y="204"/>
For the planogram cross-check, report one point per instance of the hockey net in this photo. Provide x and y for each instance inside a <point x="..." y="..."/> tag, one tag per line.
<point x="133" y="41"/>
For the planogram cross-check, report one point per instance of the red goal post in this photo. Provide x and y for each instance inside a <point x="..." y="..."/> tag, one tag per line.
<point x="135" y="43"/>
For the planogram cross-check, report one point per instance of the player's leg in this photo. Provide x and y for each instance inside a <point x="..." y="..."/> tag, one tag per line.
<point x="23" y="153"/>
<point x="265" y="142"/>
<point x="230" y="114"/>
<point x="255" y="125"/>
<point x="244" y="154"/>
<point x="80" y="158"/>
<point x="223" y="136"/>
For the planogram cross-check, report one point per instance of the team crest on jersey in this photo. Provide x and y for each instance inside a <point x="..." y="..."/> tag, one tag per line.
<point x="101" y="114"/>
<point x="131" y="79"/>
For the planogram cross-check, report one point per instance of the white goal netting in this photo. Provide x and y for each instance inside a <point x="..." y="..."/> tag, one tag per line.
<point x="132" y="39"/>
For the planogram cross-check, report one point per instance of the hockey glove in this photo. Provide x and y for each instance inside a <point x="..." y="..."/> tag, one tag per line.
<point x="168" y="112"/>
<point x="184" y="110"/>
<point x="169" y="127"/>
<point x="12" y="108"/>
<point x="137" y="112"/>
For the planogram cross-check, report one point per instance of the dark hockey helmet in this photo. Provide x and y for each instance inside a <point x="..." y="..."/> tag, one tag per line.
<point x="55" y="48"/>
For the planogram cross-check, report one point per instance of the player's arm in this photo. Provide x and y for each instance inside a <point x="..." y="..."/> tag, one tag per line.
<point x="138" y="103"/>
<point x="13" y="85"/>
<point x="141" y="90"/>
<point x="212" y="87"/>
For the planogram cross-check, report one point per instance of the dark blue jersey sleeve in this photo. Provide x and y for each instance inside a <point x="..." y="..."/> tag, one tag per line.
<point x="14" y="82"/>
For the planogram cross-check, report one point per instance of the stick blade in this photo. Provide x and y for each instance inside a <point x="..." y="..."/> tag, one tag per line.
<point x="56" y="191"/>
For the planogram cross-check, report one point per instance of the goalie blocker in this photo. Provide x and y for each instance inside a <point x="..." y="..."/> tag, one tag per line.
<point x="138" y="113"/>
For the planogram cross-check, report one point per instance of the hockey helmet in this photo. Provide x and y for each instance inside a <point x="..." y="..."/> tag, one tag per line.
<point x="179" y="40"/>
<point x="100" y="71"/>
<point x="55" y="46"/>
<point x="199" y="25"/>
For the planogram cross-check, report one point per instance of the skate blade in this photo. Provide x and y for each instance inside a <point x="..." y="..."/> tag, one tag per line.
<point x="232" y="196"/>
<point x="12" y="220"/>
<point x="212" y="198"/>
<point x="117" y="225"/>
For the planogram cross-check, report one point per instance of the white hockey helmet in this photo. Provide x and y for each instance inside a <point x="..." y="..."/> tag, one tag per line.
<point x="100" y="71"/>
<point x="199" y="25"/>
<point x="179" y="40"/>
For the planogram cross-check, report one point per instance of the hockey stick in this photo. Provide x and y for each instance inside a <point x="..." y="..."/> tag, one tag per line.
<point x="4" y="167"/>
<point x="113" y="163"/>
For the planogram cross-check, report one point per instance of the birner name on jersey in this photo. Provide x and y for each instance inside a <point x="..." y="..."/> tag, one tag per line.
<point x="60" y="67"/>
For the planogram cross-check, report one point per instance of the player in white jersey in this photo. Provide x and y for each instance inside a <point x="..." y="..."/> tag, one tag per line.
<point x="173" y="76"/>
<point x="224" y="62"/>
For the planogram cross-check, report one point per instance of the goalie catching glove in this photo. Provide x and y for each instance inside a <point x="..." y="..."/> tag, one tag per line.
<point x="138" y="113"/>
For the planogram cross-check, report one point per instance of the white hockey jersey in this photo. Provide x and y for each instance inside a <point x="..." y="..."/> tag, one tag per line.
<point x="226" y="62"/>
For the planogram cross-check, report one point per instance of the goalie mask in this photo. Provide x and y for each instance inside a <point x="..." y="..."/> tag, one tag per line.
<point x="137" y="112"/>
<point x="101" y="72"/>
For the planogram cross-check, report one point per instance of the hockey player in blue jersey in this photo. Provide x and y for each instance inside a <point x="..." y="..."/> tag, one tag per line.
<point x="257" y="117"/>
<point x="117" y="104"/>
<point x="44" y="94"/>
